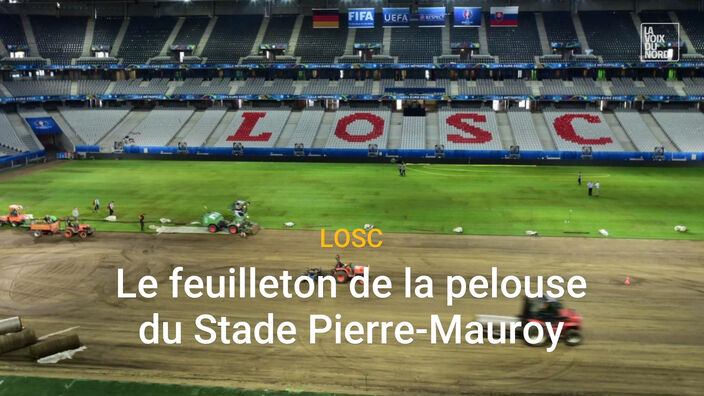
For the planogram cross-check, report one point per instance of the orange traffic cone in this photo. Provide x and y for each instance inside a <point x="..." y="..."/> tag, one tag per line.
<point x="628" y="281"/>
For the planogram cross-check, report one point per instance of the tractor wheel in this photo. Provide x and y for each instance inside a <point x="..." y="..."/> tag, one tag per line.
<point x="341" y="276"/>
<point x="83" y="234"/>
<point x="36" y="233"/>
<point x="68" y="234"/>
<point x="573" y="337"/>
<point x="232" y="229"/>
<point x="212" y="228"/>
<point x="533" y="333"/>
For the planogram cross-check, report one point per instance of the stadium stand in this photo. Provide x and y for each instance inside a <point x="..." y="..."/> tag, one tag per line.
<point x="351" y="87"/>
<point x="685" y="128"/>
<point x="413" y="133"/>
<point x="652" y="86"/>
<point x="357" y="129"/>
<point x="416" y="44"/>
<point x="232" y="38"/>
<point x="693" y="25"/>
<point x="255" y="128"/>
<point x="521" y="44"/>
<point x="321" y="45"/>
<point x="636" y="129"/>
<point x="11" y="31"/>
<point x="198" y="86"/>
<point x="259" y="86"/>
<point x="612" y="35"/>
<point x="38" y="87"/>
<point x="92" y="87"/>
<point x="579" y="86"/>
<point x="571" y="130"/>
<point x="371" y="35"/>
<point x="319" y="86"/>
<point x="91" y="125"/>
<point x="693" y="86"/>
<point x="204" y="127"/>
<point x="464" y="35"/>
<point x="307" y="128"/>
<point x="145" y="38"/>
<point x="523" y="129"/>
<point x="160" y="126"/>
<point x="191" y="31"/>
<point x="485" y="86"/>
<point x="471" y="129"/>
<point x="156" y="86"/>
<point x="559" y="27"/>
<point x="10" y="143"/>
<point x="59" y="39"/>
<point x="279" y="29"/>
<point x="105" y="31"/>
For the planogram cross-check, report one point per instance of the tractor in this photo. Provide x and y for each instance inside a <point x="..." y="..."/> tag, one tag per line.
<point x="549" y="310"/>
<point x="240" y="224"/>
<point x="543" y="310"/>
<point x="82" y="230"/>
<point x="16" y="216"/>
<point x="215" y="222"/>
<point x="345" y="273"/>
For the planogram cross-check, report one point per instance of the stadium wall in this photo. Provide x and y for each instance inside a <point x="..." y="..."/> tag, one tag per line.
<point x="21" y="159"/>
<point x="361" y="155"/>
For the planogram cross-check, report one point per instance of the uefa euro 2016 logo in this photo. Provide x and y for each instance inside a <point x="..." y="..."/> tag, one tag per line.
<point x="660" y="42"/>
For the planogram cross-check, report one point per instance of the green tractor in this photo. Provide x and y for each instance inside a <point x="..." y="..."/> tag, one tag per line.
<point x="215" y="222"/>
<point x="240" y="224"/>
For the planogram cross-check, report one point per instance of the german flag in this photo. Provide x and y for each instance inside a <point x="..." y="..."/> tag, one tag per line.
<point x="326" y="18"/>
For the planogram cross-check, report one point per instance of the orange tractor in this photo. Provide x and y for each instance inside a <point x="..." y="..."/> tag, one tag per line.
<point x="16" y="216"/>
<point x="51" y="226"/>
<point x="345" y="273"/>
<point x="82" y="230"/>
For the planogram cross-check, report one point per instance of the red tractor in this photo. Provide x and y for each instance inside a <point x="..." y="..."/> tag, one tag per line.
<point x="345" y="273"/>
<point x="16" y="216"/>
<point x="82" y="230"/>
<point x="549" y="310"/>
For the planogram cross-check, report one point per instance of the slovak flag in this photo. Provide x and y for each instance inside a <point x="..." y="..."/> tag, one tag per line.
<point x="504" y="16"/>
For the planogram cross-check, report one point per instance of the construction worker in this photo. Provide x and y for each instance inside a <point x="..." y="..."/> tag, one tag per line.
<point x="141" y="221"/>
<point x="96" y="205"/>
<point x="74" y="213"/>
<point x="111" y="207"/>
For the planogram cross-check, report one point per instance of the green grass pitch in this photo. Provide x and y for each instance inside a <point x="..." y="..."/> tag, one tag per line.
<point x="635" y="202"/>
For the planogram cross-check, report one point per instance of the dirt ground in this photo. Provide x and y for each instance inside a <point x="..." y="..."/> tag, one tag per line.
<point x="644" y="338"/>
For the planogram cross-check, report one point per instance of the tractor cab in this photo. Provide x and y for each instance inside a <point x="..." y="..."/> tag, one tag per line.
<point x="16" y="215"/>
<point x="549" y="310"/>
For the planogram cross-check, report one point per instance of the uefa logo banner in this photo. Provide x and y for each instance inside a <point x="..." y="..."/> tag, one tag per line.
<point x="660" y="42"/>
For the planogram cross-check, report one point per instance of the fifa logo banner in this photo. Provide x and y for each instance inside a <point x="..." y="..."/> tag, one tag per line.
<point x="397" y="17"/>
<point x="360" y="18"/>
<point x="431" y="16"/>
<point x="467" y="16"/>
